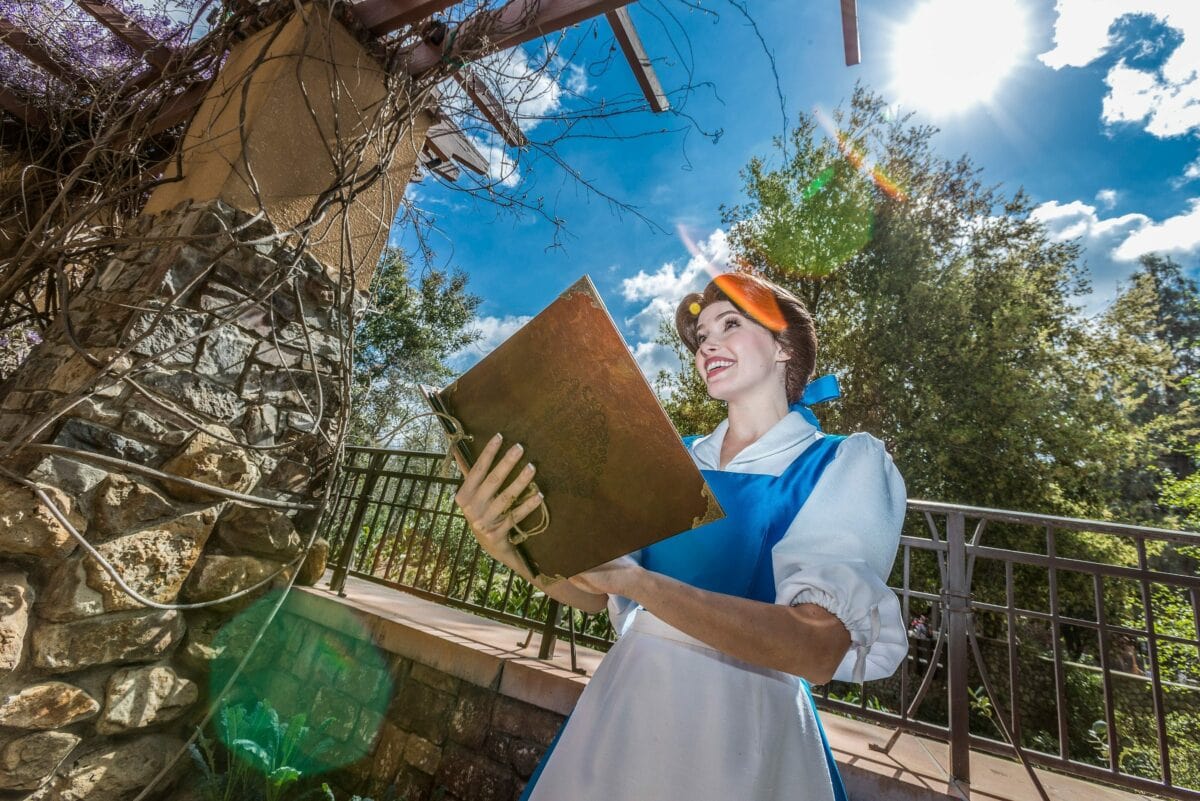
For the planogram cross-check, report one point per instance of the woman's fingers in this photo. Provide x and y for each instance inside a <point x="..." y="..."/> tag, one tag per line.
<point x="495" y="477"/>
<point x="504" y="501"/>
<point x="475" y="476"/>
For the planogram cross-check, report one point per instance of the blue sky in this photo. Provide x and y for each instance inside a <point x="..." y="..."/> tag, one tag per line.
<point x="1097" y="117"/>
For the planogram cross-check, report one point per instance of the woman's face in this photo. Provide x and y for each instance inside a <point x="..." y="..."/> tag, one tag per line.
<point x="735" y="355"/>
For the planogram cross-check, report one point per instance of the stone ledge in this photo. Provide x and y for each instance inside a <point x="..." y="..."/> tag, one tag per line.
<point x="488" y="654"/>
<point x="479" y="651"/>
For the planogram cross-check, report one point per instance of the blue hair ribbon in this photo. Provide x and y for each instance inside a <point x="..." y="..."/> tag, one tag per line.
<point x="819" y="390"/>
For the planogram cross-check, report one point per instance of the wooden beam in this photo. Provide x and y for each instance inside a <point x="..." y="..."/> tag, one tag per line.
<point x="19" y="108"/>
<point x="30" y="48"/>
<point x="449" y="143"/>
<point x="639" y="62"/>
<point x="850" y="32"/>
<point x="515" y="23"/>
<point x="491" y="107"/>
<point x="384" y="16"/>
<point x="178" y="108"/>
<point x="155" y="52"/>
<point x="447" y="169"/>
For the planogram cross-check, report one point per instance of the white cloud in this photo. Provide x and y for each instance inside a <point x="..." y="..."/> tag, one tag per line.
<point x="502" y="165"/>
<point x="1107" y="198"/>
<point x="1166" y="99"/>
<point x="1111" y="246"/>
<point x="661" y="291"/>
<point x="652" y="357"/>
<point x="492" y="331"/>
<point x="1174" y="236"/>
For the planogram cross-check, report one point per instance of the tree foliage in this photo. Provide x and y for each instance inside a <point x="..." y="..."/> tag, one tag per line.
<point x="412" y="328"/>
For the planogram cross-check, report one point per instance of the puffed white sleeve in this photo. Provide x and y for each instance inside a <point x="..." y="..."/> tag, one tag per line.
<point x="839" y="550"/>
<point x="620" y="608"/>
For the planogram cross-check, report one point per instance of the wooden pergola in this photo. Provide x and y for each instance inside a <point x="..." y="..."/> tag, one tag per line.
<point x="447" y="148"/>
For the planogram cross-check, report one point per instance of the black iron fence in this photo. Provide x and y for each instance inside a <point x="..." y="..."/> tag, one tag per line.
<point x="1070" y="644"/>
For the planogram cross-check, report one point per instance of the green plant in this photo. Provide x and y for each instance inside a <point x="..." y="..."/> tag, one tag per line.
<point x="256" y="756"/>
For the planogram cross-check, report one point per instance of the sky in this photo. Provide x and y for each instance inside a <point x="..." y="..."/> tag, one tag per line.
<point x="1092" y="107"/>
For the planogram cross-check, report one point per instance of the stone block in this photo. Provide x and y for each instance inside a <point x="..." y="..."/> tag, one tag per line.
<point x="121" y="503"/>
<point x="158" y="332"/>
<point x="193" y="391"/>
<point x="524" y="757"/>
<point x="210" y="460"/>
<point x="27" y="526"/>
<point x="261" y="424"/>
<point x="217" y="576"/>
<point x="472" y="716"/>
<point x="224" y="353"/>
<point x="435" y="678"/>
<point x="147" y="426"/>
<point x="527" y="721"/>
<point x="422" y="710"/>
<point x="74" y="477"/>
<point x="101" y="640"/>
<point x="27" y="762"/>
<point x="47" y="705"/>
<point x="140" y="697"/>
<point x="153" y="561"/>
<point x="115" y="771"/>
<point x="85" y="435"/>
<point x="474" y="776"/>
<point x="389" y="752"/>
<point x="422" y="754"/>
<point x="334" y="712"/>
<point x="259" y="530"/>
<point x="313" y="566"/>
<point x="16" y="599"/>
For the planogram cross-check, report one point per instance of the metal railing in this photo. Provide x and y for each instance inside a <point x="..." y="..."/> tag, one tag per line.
<point x="1100" y="618"/>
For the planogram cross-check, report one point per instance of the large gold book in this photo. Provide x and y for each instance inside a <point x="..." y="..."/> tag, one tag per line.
<point x="615" y="475"/>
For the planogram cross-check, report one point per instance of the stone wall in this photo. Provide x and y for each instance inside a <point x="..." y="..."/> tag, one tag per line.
<point x="400" y="723"/>
<point x="213" y="354"/>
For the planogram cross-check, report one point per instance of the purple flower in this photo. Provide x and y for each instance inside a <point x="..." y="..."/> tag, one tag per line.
<point x="33" y="337"/>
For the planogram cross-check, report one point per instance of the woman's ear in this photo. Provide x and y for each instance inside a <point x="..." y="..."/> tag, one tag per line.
<point x="781" y="353"/>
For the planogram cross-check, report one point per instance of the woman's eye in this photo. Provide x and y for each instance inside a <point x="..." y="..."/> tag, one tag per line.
<point x="700" y="339"/>
<point x="731" y="322"/>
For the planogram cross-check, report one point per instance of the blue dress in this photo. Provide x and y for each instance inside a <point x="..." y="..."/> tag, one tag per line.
<point x="665" y="715"/>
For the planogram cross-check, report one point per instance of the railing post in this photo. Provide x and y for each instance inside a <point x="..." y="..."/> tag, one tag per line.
<point x="550" y="630"/>
<point x="958" y="611"/>
<point x="338" y="582"/>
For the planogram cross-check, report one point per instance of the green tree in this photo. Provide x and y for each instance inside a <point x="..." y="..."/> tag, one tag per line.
<point x="412" y="327"/>
<point x="945" y="310"/>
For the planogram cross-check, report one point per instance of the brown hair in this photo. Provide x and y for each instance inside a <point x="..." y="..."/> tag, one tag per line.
<point x="770" y="306"/>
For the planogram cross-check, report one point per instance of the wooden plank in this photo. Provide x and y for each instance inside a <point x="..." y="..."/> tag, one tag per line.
<point x="28" y="114"/>
<point x="128" y="31"/>
<point x="491" y="107"/>
<point x="385" y="16"/>
<point x="447" y="169"/>
<point x="515" y="23"/>
<point x="30" y="48"/>
<point x="178" y="108"/>
<point x="639" y="62"/>
<point x="448" y="143"/>
<point x="850" y="32"/>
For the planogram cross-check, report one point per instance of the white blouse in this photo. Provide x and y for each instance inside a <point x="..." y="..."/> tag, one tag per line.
<point x="839" y="549"/>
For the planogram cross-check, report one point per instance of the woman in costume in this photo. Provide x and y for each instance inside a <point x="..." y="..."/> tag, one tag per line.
<point x="722" y="628"/>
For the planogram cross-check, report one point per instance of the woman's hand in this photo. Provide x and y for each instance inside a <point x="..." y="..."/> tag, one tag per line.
<point x="618" y="577"/>
<point x="490" y="509"/>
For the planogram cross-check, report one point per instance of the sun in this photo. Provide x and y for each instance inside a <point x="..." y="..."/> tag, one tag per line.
<point x="950" y="55"/>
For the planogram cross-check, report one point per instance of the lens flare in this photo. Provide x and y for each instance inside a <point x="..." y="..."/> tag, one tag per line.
<point x="765" y="310"/>
<point x="857" y="158"/>
<point x="324" y="684"/>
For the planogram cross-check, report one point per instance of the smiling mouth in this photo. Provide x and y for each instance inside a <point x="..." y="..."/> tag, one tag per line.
<point x="716" y="366"/>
